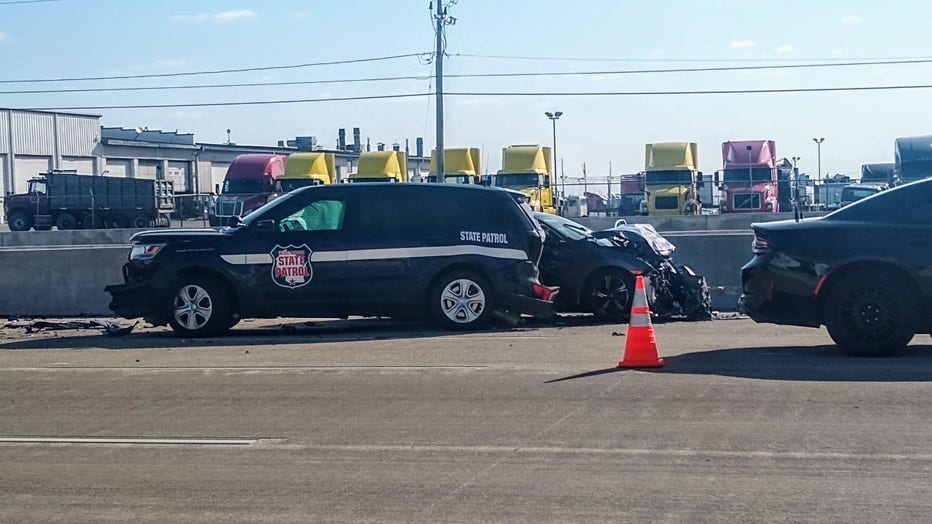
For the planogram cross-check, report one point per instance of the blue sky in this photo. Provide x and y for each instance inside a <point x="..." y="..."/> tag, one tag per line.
<point x="74" y="38"/>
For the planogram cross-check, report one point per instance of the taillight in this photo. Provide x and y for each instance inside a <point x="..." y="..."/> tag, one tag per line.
<point x="761" y="245"/>
<point x="546" y="293"/>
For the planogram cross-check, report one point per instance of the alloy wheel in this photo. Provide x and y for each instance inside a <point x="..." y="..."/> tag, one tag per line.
<point x="462" y="301"/>
<point x="192" y="307"/>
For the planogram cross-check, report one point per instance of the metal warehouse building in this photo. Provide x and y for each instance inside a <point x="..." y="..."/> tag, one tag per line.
<point x="33" y="142"/>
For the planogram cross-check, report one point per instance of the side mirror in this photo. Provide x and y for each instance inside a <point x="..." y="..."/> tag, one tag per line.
<point x="234" y="221"/>
<point x="265" y="226"/>
<point x="217" y="188"/>
<point x="546" y="181"/>
<point x="715" y="178"/>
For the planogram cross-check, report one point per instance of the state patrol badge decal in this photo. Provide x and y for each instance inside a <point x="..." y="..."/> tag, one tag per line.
<point x="291" y="266"/>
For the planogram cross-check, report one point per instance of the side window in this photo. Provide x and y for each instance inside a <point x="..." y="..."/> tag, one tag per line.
<point x="318" y="215"/>
<point x="489" y="212"/>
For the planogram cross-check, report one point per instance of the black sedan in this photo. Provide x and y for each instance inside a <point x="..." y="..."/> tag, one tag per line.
<point x="596" y="271"/>
<point x="863" y="271"/>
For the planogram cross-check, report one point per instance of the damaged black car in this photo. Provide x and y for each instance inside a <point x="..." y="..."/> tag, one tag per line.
<point x="596" y="271"/>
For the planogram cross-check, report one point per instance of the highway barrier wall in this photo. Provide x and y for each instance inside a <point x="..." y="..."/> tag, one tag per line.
<point x="66" y="281"/>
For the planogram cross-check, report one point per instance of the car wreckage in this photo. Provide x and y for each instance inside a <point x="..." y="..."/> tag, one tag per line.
<point x="596" y="271"/>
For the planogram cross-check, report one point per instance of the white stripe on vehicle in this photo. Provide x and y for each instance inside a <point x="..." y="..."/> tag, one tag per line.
<point x="385" y="254"/>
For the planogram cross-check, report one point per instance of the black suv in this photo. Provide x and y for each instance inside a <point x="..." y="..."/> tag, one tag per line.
<point x="457" y="253"/>
<point x="863" y="271"/>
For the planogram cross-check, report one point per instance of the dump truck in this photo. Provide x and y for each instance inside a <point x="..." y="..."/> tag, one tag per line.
<point x="461" y="165"/>
<point x="913" y="157"/>
<point x="672" y="178"/>
<point x="528" y="169"/>
<point x="381" y="166"/>
<point x="749" y="181"/>
<point x="68" y="200"/>
<point x="307" y="169"/>
<point x="248" y="185"/>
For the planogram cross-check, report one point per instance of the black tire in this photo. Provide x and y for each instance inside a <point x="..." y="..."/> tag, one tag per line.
<point x="117" y="221"/>
<point x="91" y="221"/>
<point x="461" y="300"/>
<point x="66" y="221"/>
<point x="139" y="221"/>
<point x="871" y="314"/>
<point x="19" y="221"/>
<point x="199" y="307"/>
<point x="608" y="295"/>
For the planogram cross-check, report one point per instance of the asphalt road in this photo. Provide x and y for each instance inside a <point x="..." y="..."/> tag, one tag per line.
<point x="369" y="421"/>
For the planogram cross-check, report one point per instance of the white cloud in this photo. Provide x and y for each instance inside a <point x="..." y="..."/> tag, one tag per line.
<point x="232" y="16"/>
<point x="171" y="63"/>
<point x="222" y="17"/>
<point x="785" y="49"/>
<point x="850" y="20"/>
<point x="742" y="44"/>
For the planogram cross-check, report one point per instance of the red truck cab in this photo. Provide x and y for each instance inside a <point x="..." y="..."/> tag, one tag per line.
<point x="248" y="185"/>
<point x="749" y="179"/>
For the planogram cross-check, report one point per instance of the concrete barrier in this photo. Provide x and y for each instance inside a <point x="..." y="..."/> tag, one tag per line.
<point x="59" y="281"/>
<point x="69" y="281"/>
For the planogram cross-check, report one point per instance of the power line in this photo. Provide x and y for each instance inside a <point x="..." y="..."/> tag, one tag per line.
<point x="11" y="2"/>
<point x="504" y="93"/>
<point x="464" y="75"/>
<point x="684" y="60"/>
<point x="222" y="104"/>
<point x="213" y="72"/>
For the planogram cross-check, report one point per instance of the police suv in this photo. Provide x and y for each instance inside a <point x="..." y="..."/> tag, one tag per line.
<point x="455" y="253"/>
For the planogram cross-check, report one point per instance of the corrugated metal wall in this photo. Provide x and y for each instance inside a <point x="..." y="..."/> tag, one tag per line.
<point x="33" y="133"/>
<point x="76" y="135"/>
<point x="4" y="131"/>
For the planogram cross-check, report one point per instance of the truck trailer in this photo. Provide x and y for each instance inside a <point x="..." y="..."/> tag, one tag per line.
<point x="913" y="159"/>
<point x="68" y="200"/>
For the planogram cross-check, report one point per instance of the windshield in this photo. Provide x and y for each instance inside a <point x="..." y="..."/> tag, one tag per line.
<point x="517" y="180"/>
<point x="242" y="186"/>
<point x="669" y="177"/>
<point x="290" y="184"/>
<point x="37" y="187"/>
<point x="757" y="174"/>
<point x="564" y="227"/>
<point x="452" y="179"/>
<point x="372" y="179"/>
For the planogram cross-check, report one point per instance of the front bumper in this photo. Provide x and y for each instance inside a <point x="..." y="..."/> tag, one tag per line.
<point x="525" y="305"/>
<point x="132" y="300"/>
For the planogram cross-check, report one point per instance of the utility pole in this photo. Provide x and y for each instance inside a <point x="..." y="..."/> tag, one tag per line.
<point x="442" y="21"/>
<point x="585" y="186"/>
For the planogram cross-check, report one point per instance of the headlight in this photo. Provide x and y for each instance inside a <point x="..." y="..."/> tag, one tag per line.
<point x="145" y="251"/>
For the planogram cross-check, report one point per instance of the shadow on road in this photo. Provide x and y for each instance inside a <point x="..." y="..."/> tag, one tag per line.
<point x="315" y="332"/>
<point x="818" y="363"/>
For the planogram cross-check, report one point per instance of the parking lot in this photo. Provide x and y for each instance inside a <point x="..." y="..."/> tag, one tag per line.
<point x="366" y="420"/>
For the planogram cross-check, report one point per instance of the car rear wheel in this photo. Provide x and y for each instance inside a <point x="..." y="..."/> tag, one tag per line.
<point x="608" y="295"/>
<point x="871" y="314"/>
<point x="461" y="300"/>
<point x="200" y="308"/>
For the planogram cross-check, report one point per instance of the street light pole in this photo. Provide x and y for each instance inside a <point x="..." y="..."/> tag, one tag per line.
<point x="553" y="119"/>
<point x="818" y="142"/>
<point x="750" y="176"/>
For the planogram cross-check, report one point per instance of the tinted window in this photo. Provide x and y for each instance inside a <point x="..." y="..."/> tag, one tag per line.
<point x="390" y="211"/>
<point x="484" y="210"/>
<point x="890" y="206"/>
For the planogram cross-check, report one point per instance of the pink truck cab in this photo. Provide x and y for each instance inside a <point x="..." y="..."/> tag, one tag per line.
<point x="748" y="181"/>
<point x="248" y="185"/>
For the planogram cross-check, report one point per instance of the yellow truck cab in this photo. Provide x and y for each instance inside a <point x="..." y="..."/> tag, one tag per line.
<point x="672" y="178"/>
<point x="460" y="165"/>
<point x="381" y="166"/>
<point x="307" y="169"/>
<point x="528" y="169"/>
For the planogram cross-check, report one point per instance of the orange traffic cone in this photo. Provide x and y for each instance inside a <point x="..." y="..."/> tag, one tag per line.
<point x="640" y="344"/>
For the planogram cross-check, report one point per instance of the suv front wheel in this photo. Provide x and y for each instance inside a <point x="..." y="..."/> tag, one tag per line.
<point x="200" y="308"/>
<point x="461" y="300"/>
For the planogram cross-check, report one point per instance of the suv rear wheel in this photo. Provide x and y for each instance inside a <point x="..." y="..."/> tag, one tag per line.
<point x="200" y="308"/>
<point x="871" y="314"/>
<point x="461" y="300"/>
